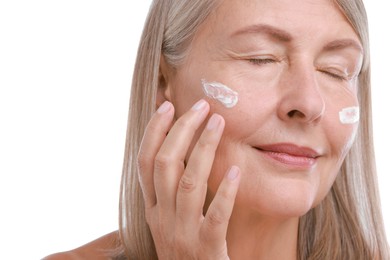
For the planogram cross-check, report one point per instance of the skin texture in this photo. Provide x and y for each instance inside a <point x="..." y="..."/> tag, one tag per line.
<point x="293" y="96"/>
<point x="292" y="81"/>
<point x="269" y="92"/>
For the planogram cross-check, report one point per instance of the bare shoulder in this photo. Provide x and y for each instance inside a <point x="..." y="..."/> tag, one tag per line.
<point x="98" y="249"/>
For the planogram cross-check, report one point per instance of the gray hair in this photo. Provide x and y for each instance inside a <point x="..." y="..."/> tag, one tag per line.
<point x="347" y="224"/>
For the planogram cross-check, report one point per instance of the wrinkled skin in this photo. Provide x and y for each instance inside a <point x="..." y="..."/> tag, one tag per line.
<point x="295" y="66"/>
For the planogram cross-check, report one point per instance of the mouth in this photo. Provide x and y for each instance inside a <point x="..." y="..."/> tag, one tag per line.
<point x="289" y="155"/>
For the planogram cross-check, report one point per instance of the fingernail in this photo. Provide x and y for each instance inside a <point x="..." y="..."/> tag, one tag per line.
<point x="199" y="105"/>
<point x="213" y="122"/>
<point x="233" y="173"/>
<point x="164" y="107"/>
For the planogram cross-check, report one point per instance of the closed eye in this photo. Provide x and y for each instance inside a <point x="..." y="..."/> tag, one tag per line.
<point x="261" y="61"/>
<point x="334" y="75"/>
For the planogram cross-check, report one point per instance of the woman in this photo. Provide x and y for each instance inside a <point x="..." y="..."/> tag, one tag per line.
<point x="256" y="150"/>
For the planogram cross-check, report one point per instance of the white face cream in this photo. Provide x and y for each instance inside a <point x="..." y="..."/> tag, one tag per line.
<point x="220" y="92"/>
<point x="349" y="115"/>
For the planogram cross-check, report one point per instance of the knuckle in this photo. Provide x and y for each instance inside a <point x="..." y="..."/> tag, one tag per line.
<point x="152" y="127"/>
<point x="226" y="195"/>
<point x="213" y="252"/>
<point x="183" y="246"/>
<point x="187" y="184"/>
<point x="208" y="142"/>
<point x="143" y="160"/>
<point x="183" y="123"/>
<point x="205" y="144"/>
<point x="162" y="161"/>
<point x="216" y="218"/>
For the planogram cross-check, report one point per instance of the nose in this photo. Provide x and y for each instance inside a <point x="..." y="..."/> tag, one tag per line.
<point x="301" y="99"/>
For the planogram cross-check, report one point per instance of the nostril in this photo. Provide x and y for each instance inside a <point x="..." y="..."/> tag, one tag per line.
<point x="295" y="113"/>
<point x="291" y="113"/>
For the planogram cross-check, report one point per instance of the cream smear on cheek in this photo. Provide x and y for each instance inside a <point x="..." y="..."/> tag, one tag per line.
<point x="220" y="92"/>
<point x="349" y="115"/>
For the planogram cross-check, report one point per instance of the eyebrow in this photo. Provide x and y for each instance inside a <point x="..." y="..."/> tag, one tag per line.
<point x="272" y="31"/>
<point x="343" y="44"/>
<point x="284" y="36"/>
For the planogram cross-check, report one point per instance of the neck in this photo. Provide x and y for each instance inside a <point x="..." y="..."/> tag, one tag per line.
<point x="251" y="236"/>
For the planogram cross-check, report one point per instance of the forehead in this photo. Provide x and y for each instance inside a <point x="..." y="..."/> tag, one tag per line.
<point x="302" y="19"/>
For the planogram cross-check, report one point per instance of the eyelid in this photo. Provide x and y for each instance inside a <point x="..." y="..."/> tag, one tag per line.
<point x="261" y="60"/>
<point x="337" y="73"/>
<point x="340" y="65"/>
<point x="334" y="69"/>
<point x="334" y="75"/>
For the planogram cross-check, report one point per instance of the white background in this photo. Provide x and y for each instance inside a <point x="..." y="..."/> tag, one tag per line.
<point x="65" y="74"/>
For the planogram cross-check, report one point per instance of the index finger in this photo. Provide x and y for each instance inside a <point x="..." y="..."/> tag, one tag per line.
<point x="154" y="136"/>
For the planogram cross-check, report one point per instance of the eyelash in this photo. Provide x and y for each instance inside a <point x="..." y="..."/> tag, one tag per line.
<point x="333" y="75"/>
<point x="261" y="61"/>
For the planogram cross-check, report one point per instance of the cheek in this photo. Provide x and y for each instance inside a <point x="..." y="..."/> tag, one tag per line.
<point x="349" y="115"/>
<point x="186" y="91"/>
<point x="340" y="136"/>
<point x="241" y="124"/>
<point x="341" y="122"/>
<point x="340" y="142"/>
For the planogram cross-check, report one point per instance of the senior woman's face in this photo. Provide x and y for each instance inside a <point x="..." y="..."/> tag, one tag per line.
<point x="294" y="65"/>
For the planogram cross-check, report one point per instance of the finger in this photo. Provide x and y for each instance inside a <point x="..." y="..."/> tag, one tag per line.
<point x="154" y="136"/>
<point x="193" y="184"/>
<point x="215" y="224"/>
<point x="169" y="162"/>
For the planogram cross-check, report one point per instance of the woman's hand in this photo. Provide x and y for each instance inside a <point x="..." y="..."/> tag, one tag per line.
<point x="174" y="192"/>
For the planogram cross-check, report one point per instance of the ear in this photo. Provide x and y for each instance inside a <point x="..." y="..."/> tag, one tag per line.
<point x="164" y="91"/>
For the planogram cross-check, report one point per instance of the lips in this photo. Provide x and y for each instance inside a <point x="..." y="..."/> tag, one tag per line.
<point x="290" y="155"/>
